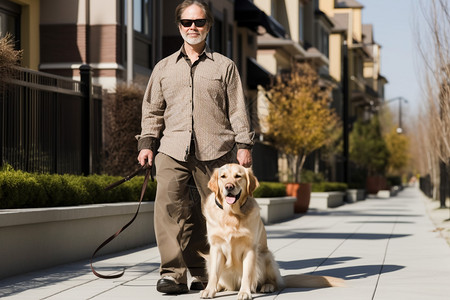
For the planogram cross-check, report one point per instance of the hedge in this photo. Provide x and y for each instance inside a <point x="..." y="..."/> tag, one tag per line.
<point x="394" y="180"/>
<point x="19" y="189"/>
<point x="326" y="186"/>
<point x="270" y="189"/>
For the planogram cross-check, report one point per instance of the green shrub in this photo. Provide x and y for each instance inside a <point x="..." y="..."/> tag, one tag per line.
<point x="20" y="189"/>
<point x="270" y="189"/>
<point x="394" y="180"/>
<point x="309" y="176"/>
<point x="25" y="190"/>
<point x="326" y="186"/>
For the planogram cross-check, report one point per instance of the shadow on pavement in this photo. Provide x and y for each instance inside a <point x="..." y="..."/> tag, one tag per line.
<point x="21" y="283"/>
<point x="309" y="263"/>
<point x="358" y="272"/>
<point x="279" y="234"/>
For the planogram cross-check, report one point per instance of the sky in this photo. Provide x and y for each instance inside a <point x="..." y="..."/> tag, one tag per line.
<point x="395" y="24"/>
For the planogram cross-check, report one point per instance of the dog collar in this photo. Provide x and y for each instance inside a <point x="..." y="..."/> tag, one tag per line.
<point x="218" y="204"/>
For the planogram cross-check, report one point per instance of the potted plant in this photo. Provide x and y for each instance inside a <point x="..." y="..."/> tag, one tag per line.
<point x="300" y="121"/>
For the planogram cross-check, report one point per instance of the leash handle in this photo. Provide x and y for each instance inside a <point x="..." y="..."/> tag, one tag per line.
<point x="148" y="174"/>
<point x="117" y="183"/>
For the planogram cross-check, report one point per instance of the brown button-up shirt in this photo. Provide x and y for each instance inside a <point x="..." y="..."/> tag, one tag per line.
<point x="206" y="106"/>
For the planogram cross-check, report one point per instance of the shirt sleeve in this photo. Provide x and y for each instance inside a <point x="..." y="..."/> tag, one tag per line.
<point x="238" y="113"/>
<point x="153" y="107"/>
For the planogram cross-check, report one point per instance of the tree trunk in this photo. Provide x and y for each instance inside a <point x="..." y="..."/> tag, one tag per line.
<point x="299" y="167"/>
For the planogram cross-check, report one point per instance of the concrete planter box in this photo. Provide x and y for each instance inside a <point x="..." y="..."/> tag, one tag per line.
<point x="384" y="194"/>
<point x="34" y="239"/>
<point x="396" y="189"/>
<point x="276" y="209"/>
<point x="326" y="200"/>
<point x="354" y="195"/>
<point x="392" y="192"/>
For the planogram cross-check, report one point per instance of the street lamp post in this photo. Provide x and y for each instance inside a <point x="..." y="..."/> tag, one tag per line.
<point x="400" y="99"/>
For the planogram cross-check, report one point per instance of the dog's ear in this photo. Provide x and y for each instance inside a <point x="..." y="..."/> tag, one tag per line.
<point x="252" y="181"/>
<point x="212" y="184"/>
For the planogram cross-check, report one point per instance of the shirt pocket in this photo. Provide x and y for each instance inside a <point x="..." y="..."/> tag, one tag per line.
<point x="209" y="84"/>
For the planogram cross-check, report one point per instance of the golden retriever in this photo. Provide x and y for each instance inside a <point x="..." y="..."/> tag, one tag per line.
<point x="239" y="259"/>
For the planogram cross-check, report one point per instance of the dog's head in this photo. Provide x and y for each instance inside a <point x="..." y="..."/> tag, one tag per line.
<point x="232" y="183"/>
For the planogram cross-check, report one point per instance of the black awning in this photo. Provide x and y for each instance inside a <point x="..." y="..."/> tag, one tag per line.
<point x="249" y="15"/>
<point x="257" y="75"/>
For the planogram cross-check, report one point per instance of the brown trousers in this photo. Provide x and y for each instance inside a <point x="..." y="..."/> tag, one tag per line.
<point x="180" y="227"/>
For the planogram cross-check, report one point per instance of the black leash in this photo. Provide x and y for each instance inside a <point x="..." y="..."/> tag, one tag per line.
<point x="148" y="174"/>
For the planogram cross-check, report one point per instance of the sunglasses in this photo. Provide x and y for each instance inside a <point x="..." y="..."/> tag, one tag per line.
<point x="188" y="23"/>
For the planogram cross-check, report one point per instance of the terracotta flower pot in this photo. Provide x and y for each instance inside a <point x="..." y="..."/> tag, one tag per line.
<point x="301" y="191"/>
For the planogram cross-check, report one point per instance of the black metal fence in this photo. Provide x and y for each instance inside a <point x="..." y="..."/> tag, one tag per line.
<point x="51" y="123"/>
<point x="426" y="186"/>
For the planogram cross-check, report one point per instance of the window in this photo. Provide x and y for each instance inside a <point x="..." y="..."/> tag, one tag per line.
<point x="216" y="36"/>
<point x="230" y="42"/>
<point x="301" y="34"/>
<point x="137" y="15"/>
<point x="10" y="20"/>
<point x="142" y="16"/>
<point x="240" y="50"/>
<point x="142" y="25"/>
<point x="316" y="5"/>
<point x="324" y="45"/>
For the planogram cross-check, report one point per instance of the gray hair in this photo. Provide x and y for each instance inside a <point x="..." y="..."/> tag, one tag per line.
<point x="203" y="5"/>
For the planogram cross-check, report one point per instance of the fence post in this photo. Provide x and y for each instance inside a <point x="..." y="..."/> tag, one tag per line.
<point x="87" y="119"/>
<point x="442" y="184"/>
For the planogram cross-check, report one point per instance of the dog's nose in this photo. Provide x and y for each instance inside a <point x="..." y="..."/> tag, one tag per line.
<point x="229" y="186"/>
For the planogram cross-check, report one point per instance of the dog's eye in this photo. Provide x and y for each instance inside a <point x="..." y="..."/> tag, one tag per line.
<point x="223" y="176"/>
<point x="237" y="176"/>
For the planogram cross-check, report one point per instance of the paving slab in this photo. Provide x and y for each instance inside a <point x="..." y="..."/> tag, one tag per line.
<point x="384" y="248"/>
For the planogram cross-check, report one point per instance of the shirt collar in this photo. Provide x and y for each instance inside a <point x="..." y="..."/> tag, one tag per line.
<point x="207" y="52"/>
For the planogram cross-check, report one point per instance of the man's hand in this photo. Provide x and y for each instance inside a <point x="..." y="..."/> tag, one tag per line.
<point x="244" y="157"/>
<point x="145" y="155"/>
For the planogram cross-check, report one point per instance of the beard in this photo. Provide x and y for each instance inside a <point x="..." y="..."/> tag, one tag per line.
<point x="194" y="40"/>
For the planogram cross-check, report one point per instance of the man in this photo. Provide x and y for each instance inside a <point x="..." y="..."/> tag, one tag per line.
<point x="194" y="108"/>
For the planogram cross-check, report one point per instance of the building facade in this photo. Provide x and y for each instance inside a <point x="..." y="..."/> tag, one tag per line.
<point x="263" y="37"/>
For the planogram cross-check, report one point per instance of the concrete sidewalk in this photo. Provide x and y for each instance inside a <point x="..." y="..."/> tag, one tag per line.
<point x="383" y="248"/>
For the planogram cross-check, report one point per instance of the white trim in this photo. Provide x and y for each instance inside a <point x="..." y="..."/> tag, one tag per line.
<point x="73" y="66"/>
<point x="107" y="82"/>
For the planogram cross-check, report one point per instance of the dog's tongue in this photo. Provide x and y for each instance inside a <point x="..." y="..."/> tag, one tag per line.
<point x="230" y="199"/>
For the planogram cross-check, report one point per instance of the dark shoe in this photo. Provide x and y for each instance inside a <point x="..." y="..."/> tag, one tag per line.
<point x="168" y="285"/>
<point x="197" y="285"/>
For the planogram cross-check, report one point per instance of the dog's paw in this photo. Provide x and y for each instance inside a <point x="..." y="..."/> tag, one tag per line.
<point x="244" y="295"/>
<point x="207" y="294"/>
<point x="267" y="288"/>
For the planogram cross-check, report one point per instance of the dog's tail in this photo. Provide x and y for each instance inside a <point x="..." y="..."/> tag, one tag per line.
<point x="311" y="281"/>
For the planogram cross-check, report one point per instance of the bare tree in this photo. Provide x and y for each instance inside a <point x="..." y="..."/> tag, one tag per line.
<point x="122" y="119"/>
<point x="434" y="47"/>
<point x="9" y="57"/>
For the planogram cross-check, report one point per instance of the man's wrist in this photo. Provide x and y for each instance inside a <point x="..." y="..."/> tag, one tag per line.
<point x="147" y="143"/>
<point x="244" y="146"/>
